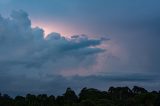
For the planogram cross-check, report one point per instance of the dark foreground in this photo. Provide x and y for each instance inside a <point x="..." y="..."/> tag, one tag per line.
<point x="115" y="96"/>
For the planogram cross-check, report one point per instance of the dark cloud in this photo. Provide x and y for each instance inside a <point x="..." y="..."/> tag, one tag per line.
<point x="51" y="63"/>
<point x="56" y="84"/>
<point x="26" y="48"/>
<point x="28" y="59"/>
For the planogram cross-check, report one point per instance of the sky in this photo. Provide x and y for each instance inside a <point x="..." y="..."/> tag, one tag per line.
<point x="49" y="45"/>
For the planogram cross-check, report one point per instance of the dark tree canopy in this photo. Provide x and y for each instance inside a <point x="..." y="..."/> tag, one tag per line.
<point x="115" y="96"/>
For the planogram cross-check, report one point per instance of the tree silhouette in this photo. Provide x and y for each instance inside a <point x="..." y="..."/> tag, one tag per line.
<point x="115" y="96"/>
<point x="138" y="90"/>
<point x="70" y="97"/>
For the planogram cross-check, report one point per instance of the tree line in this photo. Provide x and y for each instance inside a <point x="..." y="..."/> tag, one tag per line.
<point x="115" y="96"/>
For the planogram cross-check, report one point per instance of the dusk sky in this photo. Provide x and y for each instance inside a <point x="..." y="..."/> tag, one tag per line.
<point x="49" y="45"/>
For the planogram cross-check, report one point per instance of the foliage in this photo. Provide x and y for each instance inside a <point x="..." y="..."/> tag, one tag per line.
<point x="115" y="96"/>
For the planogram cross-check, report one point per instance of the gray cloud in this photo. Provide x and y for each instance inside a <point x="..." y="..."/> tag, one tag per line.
<point x="25" y="48"/>
<point x="27" y="58"/>
<point x="31" y="63"/>
<point x="56" y="84"/>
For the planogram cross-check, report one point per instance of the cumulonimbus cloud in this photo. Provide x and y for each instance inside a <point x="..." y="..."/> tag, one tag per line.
<point x="25" y="48"/>
<point x="30" y="62"/>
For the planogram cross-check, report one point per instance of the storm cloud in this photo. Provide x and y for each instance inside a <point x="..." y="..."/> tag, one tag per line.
<point x="32" y="62"/>
<point x="26" y="55"/>
<point x="24" y="48"/>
